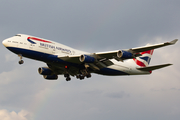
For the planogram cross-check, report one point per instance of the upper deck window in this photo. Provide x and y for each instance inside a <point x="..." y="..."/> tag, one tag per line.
<point x="18" y="35"/>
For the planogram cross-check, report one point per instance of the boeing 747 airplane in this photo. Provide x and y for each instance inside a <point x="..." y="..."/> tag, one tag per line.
<point x="64" y="60"/>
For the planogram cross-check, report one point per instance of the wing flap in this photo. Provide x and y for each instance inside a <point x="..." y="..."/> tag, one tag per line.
<point x="71" y="58"/>
<point x="151" y="68"/>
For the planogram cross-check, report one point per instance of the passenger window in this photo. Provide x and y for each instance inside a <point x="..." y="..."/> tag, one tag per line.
<point x="15" y="42"/>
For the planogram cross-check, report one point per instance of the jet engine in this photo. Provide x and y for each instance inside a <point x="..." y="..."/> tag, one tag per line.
<point x="87" y="59"/>
<point x="124" y="54"/>
<point x="50" y="77"/>
<point x="45" y="71"/>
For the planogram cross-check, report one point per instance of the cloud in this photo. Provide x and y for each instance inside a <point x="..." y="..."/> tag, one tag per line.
<point x="118" y="95"/>
<point x="9" y="77"/>
<point x="11" y="57"/>
<point x="6" y="115"/>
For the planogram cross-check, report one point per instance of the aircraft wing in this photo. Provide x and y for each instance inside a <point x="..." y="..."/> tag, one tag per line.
<point x="150" y="47"/>
<point x="135" y="51"/>
<point x="101" y="59"/>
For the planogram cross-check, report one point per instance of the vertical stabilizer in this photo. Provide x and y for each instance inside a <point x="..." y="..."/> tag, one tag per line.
<point x="144" y="60"/>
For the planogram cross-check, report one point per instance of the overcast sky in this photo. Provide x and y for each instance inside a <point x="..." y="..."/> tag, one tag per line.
<point x="92" y="26"/>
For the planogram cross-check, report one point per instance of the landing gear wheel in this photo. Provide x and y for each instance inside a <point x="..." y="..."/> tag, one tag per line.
<point x="88" y="75"/>
<point x="81" y="77"/>
<point x="67" y="76"/>
<point x="21" y="62"/>
<point x="68" y="79"/>
<point x="77" y="76"/>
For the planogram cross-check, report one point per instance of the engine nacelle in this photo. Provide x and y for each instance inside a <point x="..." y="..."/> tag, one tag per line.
<point x="50" y="77"/>
<point x="45" y="71"/>
<point x="87" y="59"/>
<point x="124" y="54"/>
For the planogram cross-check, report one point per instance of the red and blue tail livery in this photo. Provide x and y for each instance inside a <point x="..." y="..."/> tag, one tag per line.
<point x="144" y="60"/>
<point x="70" y="62"/>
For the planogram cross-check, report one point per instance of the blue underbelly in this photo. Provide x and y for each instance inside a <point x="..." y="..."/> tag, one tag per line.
<point x="48" y="58"/>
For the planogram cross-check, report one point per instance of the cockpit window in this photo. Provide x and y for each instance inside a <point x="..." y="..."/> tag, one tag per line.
<point x="18" y="35"/>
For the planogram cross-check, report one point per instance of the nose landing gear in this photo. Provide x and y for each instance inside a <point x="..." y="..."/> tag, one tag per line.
<point x="20" y="61"/>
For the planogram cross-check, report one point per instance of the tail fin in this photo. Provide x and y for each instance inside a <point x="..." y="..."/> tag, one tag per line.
<point x="144" y="60"/>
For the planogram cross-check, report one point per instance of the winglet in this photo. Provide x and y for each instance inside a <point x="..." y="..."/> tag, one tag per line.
<point x="173" y="41"/>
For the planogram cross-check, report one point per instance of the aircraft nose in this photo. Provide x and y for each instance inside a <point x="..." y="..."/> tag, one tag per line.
<point x="4" y="42"/>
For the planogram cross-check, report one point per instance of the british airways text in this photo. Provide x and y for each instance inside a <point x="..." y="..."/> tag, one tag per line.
<point x="55" y="47"/>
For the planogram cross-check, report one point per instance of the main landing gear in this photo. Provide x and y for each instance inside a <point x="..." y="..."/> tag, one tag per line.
<point x="67" y="76"/>
<point x="84" y="73"/>
<point x="81" y="76"/>
<point x="20" y="61"/>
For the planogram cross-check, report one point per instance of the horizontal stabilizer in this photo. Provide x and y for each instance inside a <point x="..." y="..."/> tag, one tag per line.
<point x="151" y="68"/>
